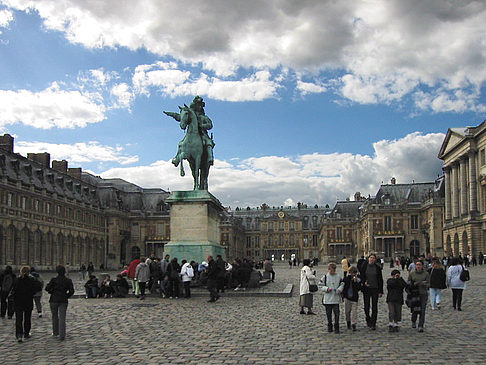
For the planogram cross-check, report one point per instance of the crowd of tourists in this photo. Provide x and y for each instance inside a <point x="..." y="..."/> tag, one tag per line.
<point x="427" y="277"/>
<point x="168" y="278"/>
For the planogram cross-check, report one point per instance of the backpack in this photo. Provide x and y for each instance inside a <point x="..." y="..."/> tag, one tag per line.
<point x="7" y="283"/>
<point x="464" y="275"/>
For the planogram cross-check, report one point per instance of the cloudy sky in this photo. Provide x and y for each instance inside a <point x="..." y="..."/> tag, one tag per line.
<point x="310" y="100"/>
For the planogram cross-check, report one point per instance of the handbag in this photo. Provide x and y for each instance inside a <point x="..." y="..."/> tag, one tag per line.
<point x="312" y="286"/>
<point x="464" y="275"/>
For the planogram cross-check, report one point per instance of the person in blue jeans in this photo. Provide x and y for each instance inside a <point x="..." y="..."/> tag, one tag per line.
<point x="61" y="289"/>
<point x="437" y="283"/>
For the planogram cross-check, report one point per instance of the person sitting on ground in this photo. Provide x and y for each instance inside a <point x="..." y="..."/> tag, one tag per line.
<point x="124" y="272"/>
<point x="120" y="286"/>
<point x="91" y="287"/>
<point x="164" y="286"/>
<point x="106" y="289"/>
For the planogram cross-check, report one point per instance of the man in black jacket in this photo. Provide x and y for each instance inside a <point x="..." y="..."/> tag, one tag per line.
<point x="213" y="275"/>
<point x="61" y="288"/>
<point x="372" y="278"/>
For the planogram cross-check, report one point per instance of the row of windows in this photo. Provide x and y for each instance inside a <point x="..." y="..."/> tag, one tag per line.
<point x="281" y="240"/>
<point x="281" y="225"/>
<point x="388" y="225"/>
<point x="13" y="200"/>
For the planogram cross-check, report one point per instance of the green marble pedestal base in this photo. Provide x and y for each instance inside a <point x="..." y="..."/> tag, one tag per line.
<point x="194" y="226"/>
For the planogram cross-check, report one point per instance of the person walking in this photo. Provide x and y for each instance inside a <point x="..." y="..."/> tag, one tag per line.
<point x="142" y="276"/>
<point x="394" y="298"/>
<point x="90" y="269"/>
<point x="38" y="295"/>
<point x="332" y="286"/>
<point x="372" y="278"/>
<point x="22" y="293"/>
<point x="132" y="268"/>
<point x="82" y="272"/>
<point x="61" y="289"/>
<point x="7" y="280"/>
<point x="418" y="279"/>
<point x="345" y="266"/>
<point x="455" y="283"/>
<point x="352" y="286"/>
<point x="437" y="277"/>
<point x="213" y="274"/>
<point x="306" y="297"/>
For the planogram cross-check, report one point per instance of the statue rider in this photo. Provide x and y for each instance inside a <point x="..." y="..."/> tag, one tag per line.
<point x="205" y="124"/>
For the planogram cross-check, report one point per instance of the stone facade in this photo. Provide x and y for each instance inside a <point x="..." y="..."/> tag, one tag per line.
<point x="278" y="233"/>
<point x="463" y="153"/>
<point x="55" y="214"/>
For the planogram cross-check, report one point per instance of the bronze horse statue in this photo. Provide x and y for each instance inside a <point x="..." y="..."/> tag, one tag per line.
<point x="190" y="148"/>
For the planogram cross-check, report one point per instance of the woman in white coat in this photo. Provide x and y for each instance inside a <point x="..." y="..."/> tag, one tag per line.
<point x="306" y="297"/>
<point x="455" y="283"/>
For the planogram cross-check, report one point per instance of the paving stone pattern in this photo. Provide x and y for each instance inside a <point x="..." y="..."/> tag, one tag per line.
<point x="247" y="330"/>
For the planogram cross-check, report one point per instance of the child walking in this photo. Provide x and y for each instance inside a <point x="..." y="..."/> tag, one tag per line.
<point x="352" y="286"/>
<point x="395" y="286"/>
<point x="332" y="286"/>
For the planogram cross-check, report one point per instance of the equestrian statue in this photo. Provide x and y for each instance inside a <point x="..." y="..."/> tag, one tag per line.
<point x="196" y="147"/>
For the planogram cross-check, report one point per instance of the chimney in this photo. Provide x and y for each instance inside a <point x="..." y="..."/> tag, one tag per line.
<point x="393" y="181"/>
<point x="357" y="196"/>
<point x="7" y="143"/>
<point x="43" y="159"/>
<point x="60" y="166"/>
<point x="75" y="172"/>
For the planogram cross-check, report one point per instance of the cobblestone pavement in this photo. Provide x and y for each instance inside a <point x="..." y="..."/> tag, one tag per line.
<point x="247" y="330"/>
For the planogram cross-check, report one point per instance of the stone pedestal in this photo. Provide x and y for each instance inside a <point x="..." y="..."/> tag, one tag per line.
<point x="194" y="226"/>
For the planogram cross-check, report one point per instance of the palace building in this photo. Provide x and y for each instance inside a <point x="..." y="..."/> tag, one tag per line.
<point x="51" y="213"/>
<point x="463" y="153"/>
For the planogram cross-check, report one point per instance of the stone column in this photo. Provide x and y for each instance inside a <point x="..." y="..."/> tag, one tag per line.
<point x="473" y="195"/>
<point x="448" y="212"/>
<point x="454" y="191"/>
<point x="463" y="184"/>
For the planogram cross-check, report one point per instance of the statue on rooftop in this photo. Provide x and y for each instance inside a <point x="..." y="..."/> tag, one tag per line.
<point x="197" y="146"/>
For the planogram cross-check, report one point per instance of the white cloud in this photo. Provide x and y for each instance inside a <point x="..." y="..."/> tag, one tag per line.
<point x="171" y="81"/>
<point x="123" y="95"/>
<point x="81" y="152"/>
<point x="6" y="16"/>
<point x="314" y="178"/>
<point x="378" y="51"/>
<point x="52" y="107"/>
<point x="310" y="88"/>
